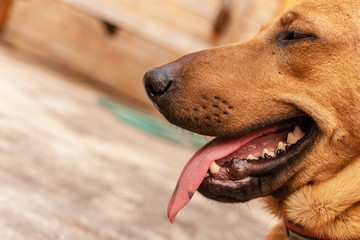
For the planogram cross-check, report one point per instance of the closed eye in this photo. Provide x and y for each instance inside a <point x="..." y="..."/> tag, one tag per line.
<point x="293" y="36"/>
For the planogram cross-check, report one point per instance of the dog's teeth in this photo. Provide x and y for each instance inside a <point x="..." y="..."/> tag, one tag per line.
<point x="251" y="157"/>
<point x="291" y="139"/>
<point x="298" y="132"/>
<point x="265" y="151"/>
<point x="214" y="168"/>
<point x="295" y="136"/>
<point x="281" y="146"/>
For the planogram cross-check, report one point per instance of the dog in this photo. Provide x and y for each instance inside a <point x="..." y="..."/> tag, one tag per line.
<point x="284" y="110"/>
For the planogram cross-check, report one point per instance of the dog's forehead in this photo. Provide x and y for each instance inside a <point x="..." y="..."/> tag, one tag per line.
<point x="343" y="16"/>
<point x="328" y="8"/>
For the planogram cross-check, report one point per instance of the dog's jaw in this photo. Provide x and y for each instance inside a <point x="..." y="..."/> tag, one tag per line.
<point x="239" y="180"/>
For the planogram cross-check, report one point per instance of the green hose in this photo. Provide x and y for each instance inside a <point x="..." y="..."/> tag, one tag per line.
<point x="152" y="125"/>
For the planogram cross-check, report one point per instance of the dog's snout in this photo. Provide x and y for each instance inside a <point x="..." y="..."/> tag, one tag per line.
<point x="157" y="82"/>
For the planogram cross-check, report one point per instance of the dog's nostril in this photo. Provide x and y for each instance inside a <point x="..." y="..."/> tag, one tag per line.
<point x="157" y="82"/>
<point x="154" y="90"/>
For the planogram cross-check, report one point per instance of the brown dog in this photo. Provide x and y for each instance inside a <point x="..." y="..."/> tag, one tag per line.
<point x="284" y="108"/>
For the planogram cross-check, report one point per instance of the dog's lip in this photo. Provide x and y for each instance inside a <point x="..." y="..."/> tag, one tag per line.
<point x="195" y="170"/>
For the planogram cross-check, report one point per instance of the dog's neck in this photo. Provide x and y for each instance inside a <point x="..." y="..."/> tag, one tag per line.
<point x="296" y="232"/>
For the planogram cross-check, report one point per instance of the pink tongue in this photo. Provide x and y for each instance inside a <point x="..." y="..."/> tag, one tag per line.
<point x="195" y="170"/>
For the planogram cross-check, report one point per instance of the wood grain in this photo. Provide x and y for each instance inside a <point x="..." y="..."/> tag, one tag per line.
<point x="5" y="6"/>
<point x="72" y="34"/>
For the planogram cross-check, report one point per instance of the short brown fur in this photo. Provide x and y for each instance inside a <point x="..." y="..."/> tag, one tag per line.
<point x="228" y="90"/>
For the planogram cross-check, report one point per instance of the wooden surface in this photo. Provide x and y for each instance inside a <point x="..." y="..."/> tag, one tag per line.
<point x="4" y="12"/>
<point x="177" y="26"/>
<point x="71" y="33"/>
<point x="70" y="170"/>
<point x="247" y="18"/>
<point x="285" y="4"/>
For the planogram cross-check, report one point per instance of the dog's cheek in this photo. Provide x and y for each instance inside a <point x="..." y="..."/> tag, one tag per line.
<point x="305" y="61"/>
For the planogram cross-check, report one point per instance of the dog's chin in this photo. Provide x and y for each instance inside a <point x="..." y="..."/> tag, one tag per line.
<point x="246" y="173"/>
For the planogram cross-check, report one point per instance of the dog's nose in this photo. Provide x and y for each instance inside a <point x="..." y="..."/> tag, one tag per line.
<point x="157" y="82"/>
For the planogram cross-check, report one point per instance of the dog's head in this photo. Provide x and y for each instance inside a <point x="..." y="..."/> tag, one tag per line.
<point x="283" y="106"/>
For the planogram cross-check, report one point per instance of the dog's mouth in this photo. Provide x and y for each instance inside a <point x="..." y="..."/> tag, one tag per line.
<point x="240" y="169"/>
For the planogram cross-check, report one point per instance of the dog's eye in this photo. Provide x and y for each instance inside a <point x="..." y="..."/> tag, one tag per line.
<point x="291" y="36"/>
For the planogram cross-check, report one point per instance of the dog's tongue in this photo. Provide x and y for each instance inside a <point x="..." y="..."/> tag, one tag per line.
<point x="195" y="170"/>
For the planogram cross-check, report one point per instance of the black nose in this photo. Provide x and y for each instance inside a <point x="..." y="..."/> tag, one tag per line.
<point x="157" y="82"/>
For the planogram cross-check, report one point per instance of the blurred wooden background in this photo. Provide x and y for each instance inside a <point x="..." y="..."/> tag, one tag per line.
<point x="114" y="42"/>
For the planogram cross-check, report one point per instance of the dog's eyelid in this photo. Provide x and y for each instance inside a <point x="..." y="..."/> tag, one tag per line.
<point x="292" y="36"/>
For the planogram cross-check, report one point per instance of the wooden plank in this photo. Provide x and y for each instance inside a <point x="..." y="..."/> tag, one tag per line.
<point x="205" y="8"/>
<point x="151" y="32"/>
<point x="78" y="40"/>
<point x="166" y="14"/>
<point x="75" y="40"/>
<point x="131" y="17"/>
<point x="5" y="6"/>
<point x="247" y="18"/>
<point x="285" y="4"/>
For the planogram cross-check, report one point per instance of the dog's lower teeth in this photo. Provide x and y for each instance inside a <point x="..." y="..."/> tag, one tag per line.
<point x="281" y="146"/>
<point x="295" y="136"/>
<point x="251" y="157"/>
<point x="268" y="153"/>
<point x="266" y="156"/>
<point x="298" y="132"/>
<point x="291" y="139"/>
<point x="214" y="168"/>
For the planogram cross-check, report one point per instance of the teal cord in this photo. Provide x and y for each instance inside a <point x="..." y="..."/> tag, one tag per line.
<point x="152" y="125"/>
